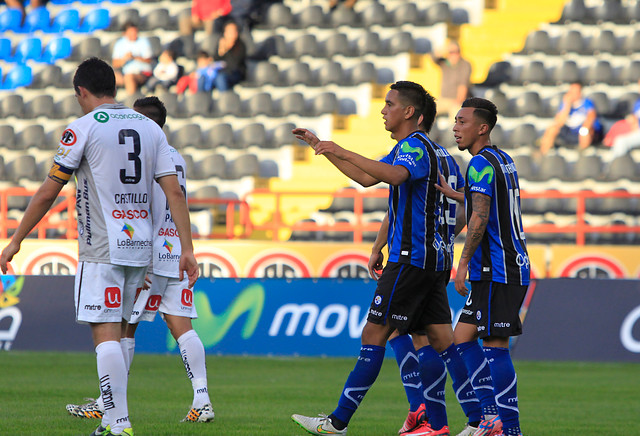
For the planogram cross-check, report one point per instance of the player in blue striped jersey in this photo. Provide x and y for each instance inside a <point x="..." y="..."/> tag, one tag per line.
<point x="410" y="294"/>
<point x="496" y="260"/>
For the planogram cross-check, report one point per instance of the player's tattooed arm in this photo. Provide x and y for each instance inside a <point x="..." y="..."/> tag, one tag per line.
<point x="481" y="204"/>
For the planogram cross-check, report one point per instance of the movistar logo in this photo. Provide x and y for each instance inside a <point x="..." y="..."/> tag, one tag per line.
<point x="101" y="117"/>
<point x="10" y="288"/>
<point x="478" y="176"/>
<point x="212" y="328"/>
<point x="406" y="148"/>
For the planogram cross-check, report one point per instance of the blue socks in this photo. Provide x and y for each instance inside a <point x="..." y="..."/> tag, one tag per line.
<point x="479" y="374"/>
<point x="434" y="376"/>
<point x="505" y="388"/>
<point x="409" y="370"/>
<point x="461" y="384"/>
<point x="359" y="381"/>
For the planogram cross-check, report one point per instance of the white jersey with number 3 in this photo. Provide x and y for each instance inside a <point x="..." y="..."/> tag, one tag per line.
<point x="116" y="154"/>
<point x="166" y="243"/>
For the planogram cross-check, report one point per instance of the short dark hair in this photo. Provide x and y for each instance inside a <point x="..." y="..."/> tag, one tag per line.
<point x="484" y="109"/>
<point x="203" y="54"/>
<point x="96" y="76"/>
<point x="128" y="24"/>
<point x="153" y="108"/>
<point x="413" y="94"/>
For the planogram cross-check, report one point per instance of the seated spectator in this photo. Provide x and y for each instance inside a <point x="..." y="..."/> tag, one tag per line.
<point x="166" y="73"/>
<point x="205" y="14"/>
<point x="576" y="122"/>
<point x="131" y="59"/>
<point x="231" y="51"/>
<point x="456" y="79"/>
<point x="203" y="78"/>
<point x="628" y="133"/>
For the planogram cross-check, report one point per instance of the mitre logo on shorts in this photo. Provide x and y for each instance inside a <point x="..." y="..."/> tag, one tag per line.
<point x="153" y="303"/>
<point x="101" y="117"/>
<point x="112" y="297"/>
<point x="377" y="300"/>
<point x="187" y="297"/>
<point x="68" y="137"/>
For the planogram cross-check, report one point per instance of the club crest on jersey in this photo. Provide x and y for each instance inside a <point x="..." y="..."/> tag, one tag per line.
<point x="68" y="137"/>
<point x="128" y="230"/>
<point x="377" y="300"/>
<point x="101" y="117"/>
<point x="168" y="245"/>
<point x="477" y="176"/>
<point x="406" y="148"/>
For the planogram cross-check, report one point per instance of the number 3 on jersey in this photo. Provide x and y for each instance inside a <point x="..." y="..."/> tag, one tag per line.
<point x="132" y="156"/>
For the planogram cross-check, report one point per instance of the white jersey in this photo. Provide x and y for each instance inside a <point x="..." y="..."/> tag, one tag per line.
<point x="116" y="154"/>
<point x="166" y="243"/>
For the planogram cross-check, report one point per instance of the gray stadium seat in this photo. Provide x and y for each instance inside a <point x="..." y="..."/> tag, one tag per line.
<point x="631" y="44"/>
<point x="552" y="166"/>
<point x="498" y="98"/>
<point x="624" y="104"/>
<point x="568" y="72"/>
<point x="401" y="42"/>
<point x="304" y="235"/>
<point x="337" y="44"/>
<point x="12" y="105"/>
<point x="269" y="168"/>
<point x="260" y="104"/>
<point x="538" y="41"/>
<point x="608" y="11"/>
<point x="191" y="105"/>
<point x="170" y="100"/>
<point x="374" y="14"/>
<point x="341" y="204"/>
<point x="630" y="73"/>
<point x="599" y="72"/>
<point x="574" y="10"/>
<point x="342" y="16"/>
<point x="86" y="47"/>
<point x="42" y="105"/>
<point x="587" y="167"/>
<point x="281" y="135"/>
<point x="48" y="75"/>
<point x="31" y="136"/>
<point x="604" y="42"/>
<point x="622" y="167"/>
<point x="22" y="167"/>
<point x="157" y="19"/>
<point x="7" y="136"/>
<point x="220" y="135"/>
<point x="299" y="74"/>
<point x="330" y="73"/>
<point x="305" y="45"/>
<point x="292" y="103"/>
<point x="528" y="103"/>
<point x="278" y="15"/>
<point x="570" y="42"/>
<point x="246" y="165"/>
<point x="375" y="204"/>
<point x="68" y="107"/>
<point x="406" y="13"/>
<point x="213" y="165"/>
<point x="54" y="136"/>
<point x="525" y="167"/>
<point x="252" y="134"/>
<point x="311" y="16"/>
<point x="188" y="135"/>
<point x="532" y="72"/>
<point x="128" y="15"/>
<point x="523" y="135"/>
<point x="325" y="103"/>
<point x="364" y="72"/>
<point x="368" y="43"/>
<point x="601" y="101"/>
<point x="438" y="13"/>
<point x="228" y="103"/>
<point x="264" y="73"/>
<point x="204" y="192"/>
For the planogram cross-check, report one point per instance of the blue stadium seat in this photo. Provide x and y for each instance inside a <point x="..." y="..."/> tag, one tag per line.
<point x="90" y="2"/>
<point x="10" y="19"/>
<point x="19" y="76"/>
<point x="58" y="48"/>
<point x="5" y="49"/>
<point x="61" y="2"/>
<point x="28" y="49"/>
<point x="36" y="19"/>
<point x="67" y="19"/>
<point x="96" y="19"/>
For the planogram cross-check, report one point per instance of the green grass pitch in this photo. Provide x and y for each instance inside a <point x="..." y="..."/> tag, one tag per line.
<point x="256" y="396"/>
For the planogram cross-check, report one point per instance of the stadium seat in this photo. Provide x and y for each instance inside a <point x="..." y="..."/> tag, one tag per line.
<point x="66" y="19"/>
<point x="61" y="2"/>
<point x="532" y="72"/>
<point x="570" y="42"/>
<point x="246" y="165"/>
<point x="36" y="19"/>
<point x="523" y="135"/>
<point x="337" y="44"/>
<point x="438" y="13"/>
<point x="632" y="12"/>
<point x="7" y="136"/>
<point x="528" y="103"/>
<point x="587" y="167"/>
<point x="624" y="104"/>
<point x="157" y="19"/>
<point x="574" y="10"/>
<point x="406" y="13"/>
<point x="311" y="16"/>
<point x="608" y="11"/>
<point x="40" y="106"/>
<point x="87" y="47"/>
<point x="401" y="42"/>
<point x="129" y="15"/>
<point x="498" y="98"/>
<point x="156" y="46"/>
<point x="252" y="134"/>
<point x="31" y="136"/>
<point x="198" y="104"/>
<point x="631" y="43"/>
<point x="325" y="103"/>
<point x="567" y="72"/>
<point x="10" y="20"/>
<point x="213" y="165"/>
<point x="54" y="136"/>
<point x="364" y="72"/>
<point x="281" y="135"/>
<point x="260" y="104"/>
<point x="68" y="107"/>
<point x="620" y="168"/>
<point x="553" y="166"/>
<point x="264" y="73"/>
<point x="330" y="73"/>
<point x="538" y="41"/>
<point x="525" y="167"/>
<point x="292" y="103"/>
<point x="209" y="43"/>
<point x="228" y="103"/>
<point x="277" y="15"/>
<point x="95" y="19"/>
<point x="369" y="43"/>
<point x="56" y="49"/>
<point x="188" y="135"/>
<point x="5" y="49"/>
<point x="17" y="77"/>
<point x="299" y="74"/>
<point x="22" y="167"/>
<point x="630" y="73"/>
<point x="305" y="45"/>
<point x="341" y="16"/>
<point x="374" y="14"/>
<point x="601" y="100"/>
<point x="598" y="72"/>
<point x="170" y="100"/>
<point x="29" y="48"/>
<point x="220" y="135"/>
<point x="184" y="45"/>
<point x="604" y="42"/>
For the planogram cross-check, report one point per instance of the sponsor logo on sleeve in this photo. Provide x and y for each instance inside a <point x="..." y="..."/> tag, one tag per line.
<point x="101" y="117"/>
<point x="68" y="138"/>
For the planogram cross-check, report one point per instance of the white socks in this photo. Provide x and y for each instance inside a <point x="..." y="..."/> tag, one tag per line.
<point x="112" y="375"/>
<point x="193" y="357"/>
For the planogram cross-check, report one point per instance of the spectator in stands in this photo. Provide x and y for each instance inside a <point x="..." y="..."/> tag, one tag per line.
<point x="575" y="123"/>
<point x="333" y="4"/>
<point x="628" y="136"/>
<point x="203" y="78"/>
<point x="132" y="59"/>
<point x="205" y="14"/>
<point x="233" y="53"/>
<point x="456" y="79"/>
<point x="166" y="73"/>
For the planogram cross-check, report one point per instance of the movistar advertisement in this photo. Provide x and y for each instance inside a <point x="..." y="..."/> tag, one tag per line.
<point x="277" y="317"/>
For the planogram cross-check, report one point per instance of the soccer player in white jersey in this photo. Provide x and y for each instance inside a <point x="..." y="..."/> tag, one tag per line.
<point x="115" y="154"/>
<point x="167" y="293"/>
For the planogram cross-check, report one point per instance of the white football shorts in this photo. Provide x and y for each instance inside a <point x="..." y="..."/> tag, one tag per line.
<point x="168" y="296"/>
<point x="104" y="292"/>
